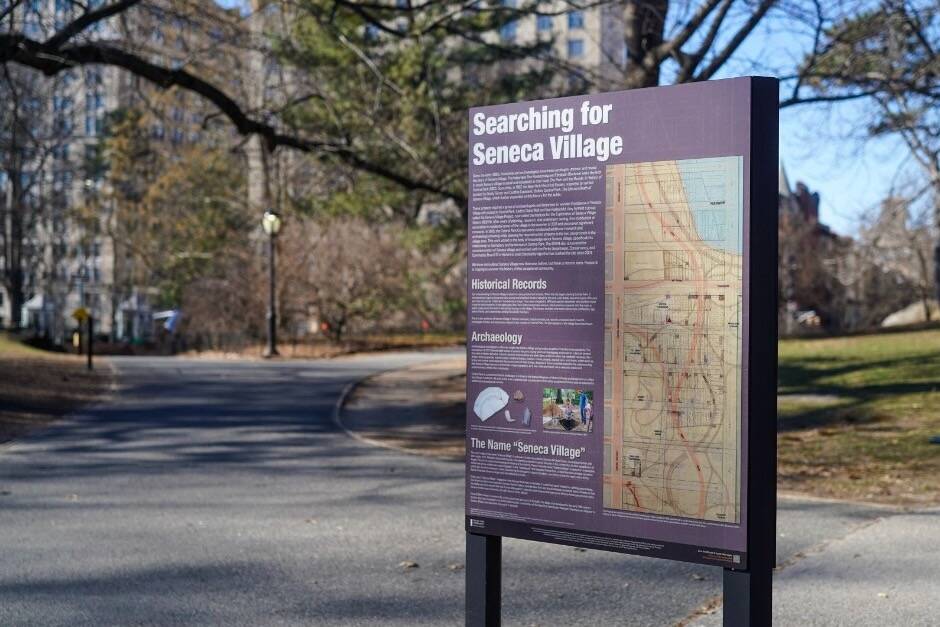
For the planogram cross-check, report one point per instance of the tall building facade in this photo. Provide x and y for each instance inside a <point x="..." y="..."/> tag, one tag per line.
<point x="70" y="257"/>
<point x="75" y="263"/>
<point x="589" y="40"/>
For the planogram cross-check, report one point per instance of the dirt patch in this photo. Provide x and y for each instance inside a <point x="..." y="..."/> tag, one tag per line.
<point x="37" y="388"/>
<point x="420" y="410"/>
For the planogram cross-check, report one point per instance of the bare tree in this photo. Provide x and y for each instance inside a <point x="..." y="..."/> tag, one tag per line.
<point x="900" y="241"/>
<point x="695" y="39"/>
<point x="29" y="138"/>
<point x="888" y="55"/>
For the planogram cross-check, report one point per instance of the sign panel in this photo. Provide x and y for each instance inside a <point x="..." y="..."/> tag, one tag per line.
<point x="611" y="276"/>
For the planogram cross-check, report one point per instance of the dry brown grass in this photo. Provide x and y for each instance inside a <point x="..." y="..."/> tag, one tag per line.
<point x="38" y="387"/>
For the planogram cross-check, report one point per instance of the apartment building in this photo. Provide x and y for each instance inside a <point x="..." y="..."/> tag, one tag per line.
<point x="77" y="264"/>
<point x="589" y="40"/>
<point x="72" y="262"/>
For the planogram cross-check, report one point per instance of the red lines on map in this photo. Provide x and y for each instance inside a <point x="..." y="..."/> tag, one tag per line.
<point x="673" y="316"/>
<point x="696" y="331"/>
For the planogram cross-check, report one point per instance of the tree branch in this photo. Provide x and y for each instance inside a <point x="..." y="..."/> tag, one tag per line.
<point x="675" y="43"/>
<point x="797" y="100"/>
<point x="51" y="60"/>
<point x="722" y="57"/>
<point x="691" y="61"/>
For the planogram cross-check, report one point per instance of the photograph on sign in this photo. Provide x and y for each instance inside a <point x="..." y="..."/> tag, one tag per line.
<point x="607" y="321"/>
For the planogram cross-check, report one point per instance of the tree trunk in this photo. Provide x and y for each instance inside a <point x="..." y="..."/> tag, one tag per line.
<point x="936" y="245"/>
<point x="936" y="268"/>
<point x="644" y="26"/>
<point x="14" y="279"/>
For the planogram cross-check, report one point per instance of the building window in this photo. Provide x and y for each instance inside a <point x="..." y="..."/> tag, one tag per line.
<point x="91" y="125"/>
<point x="61" y="180"/>
<point x="32" y="27"/>
<point x="62" y="125"/>
<point x="575" y="48"/>
<point x="576" y="19"/>
<point x="61" y="103"/>
<point x="544" y="22"/>
<point x="93" y="76"/>
<point x="93" y="101"/>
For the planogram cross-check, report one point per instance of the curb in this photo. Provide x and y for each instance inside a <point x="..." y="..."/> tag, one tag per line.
<point x="350" y="387"/>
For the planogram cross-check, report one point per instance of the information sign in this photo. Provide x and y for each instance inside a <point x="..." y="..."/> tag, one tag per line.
<point x="622" y="323"/>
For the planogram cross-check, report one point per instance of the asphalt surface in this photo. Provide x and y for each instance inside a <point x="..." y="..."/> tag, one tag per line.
<point x="211" y="493"/>
<point x="884" y="572"/>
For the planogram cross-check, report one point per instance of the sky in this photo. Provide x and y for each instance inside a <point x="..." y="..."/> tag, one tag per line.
<point x="824" y="146"/>
<point x="852" y="175"/>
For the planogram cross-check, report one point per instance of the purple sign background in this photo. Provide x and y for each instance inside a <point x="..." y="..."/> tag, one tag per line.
<point x="709" y="119"/>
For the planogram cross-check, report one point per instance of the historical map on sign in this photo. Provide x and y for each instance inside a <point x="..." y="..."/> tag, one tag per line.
<point x="672" y="354"/>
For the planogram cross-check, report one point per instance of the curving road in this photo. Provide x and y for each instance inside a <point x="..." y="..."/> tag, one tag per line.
<point x="222" y="493"/>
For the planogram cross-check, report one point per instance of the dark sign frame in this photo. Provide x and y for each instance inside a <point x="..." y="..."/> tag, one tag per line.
<point x="747" y="583"/>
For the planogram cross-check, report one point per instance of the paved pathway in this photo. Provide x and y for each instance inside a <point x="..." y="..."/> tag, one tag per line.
<point x="886" y="571"/>
<point x="216" y="493"/>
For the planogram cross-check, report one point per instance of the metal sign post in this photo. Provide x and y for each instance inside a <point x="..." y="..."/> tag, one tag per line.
<point x="83" y="316"/>
<point x="748" y="593"/>
<point x="90" y="339"/>
<point x="484" y="580"/>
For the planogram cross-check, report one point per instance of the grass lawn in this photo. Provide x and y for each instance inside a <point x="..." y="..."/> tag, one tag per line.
<point x="856" y="415"/>
<point x="37" y="387"/>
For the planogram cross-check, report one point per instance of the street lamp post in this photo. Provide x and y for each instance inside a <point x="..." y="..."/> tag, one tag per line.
<point x="271" y="223"/>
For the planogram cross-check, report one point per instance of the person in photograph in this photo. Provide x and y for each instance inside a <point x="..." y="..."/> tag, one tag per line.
<point x="582" y="403"/>
<point x="568" y="409"/>
<point x="589" y="414"/>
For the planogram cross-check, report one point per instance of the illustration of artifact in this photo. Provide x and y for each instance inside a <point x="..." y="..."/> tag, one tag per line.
<point x="518" y="395"/>
<point x="526" y="417"/>
<point x="490" y="401"/>
<point x="508" y="416"/>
